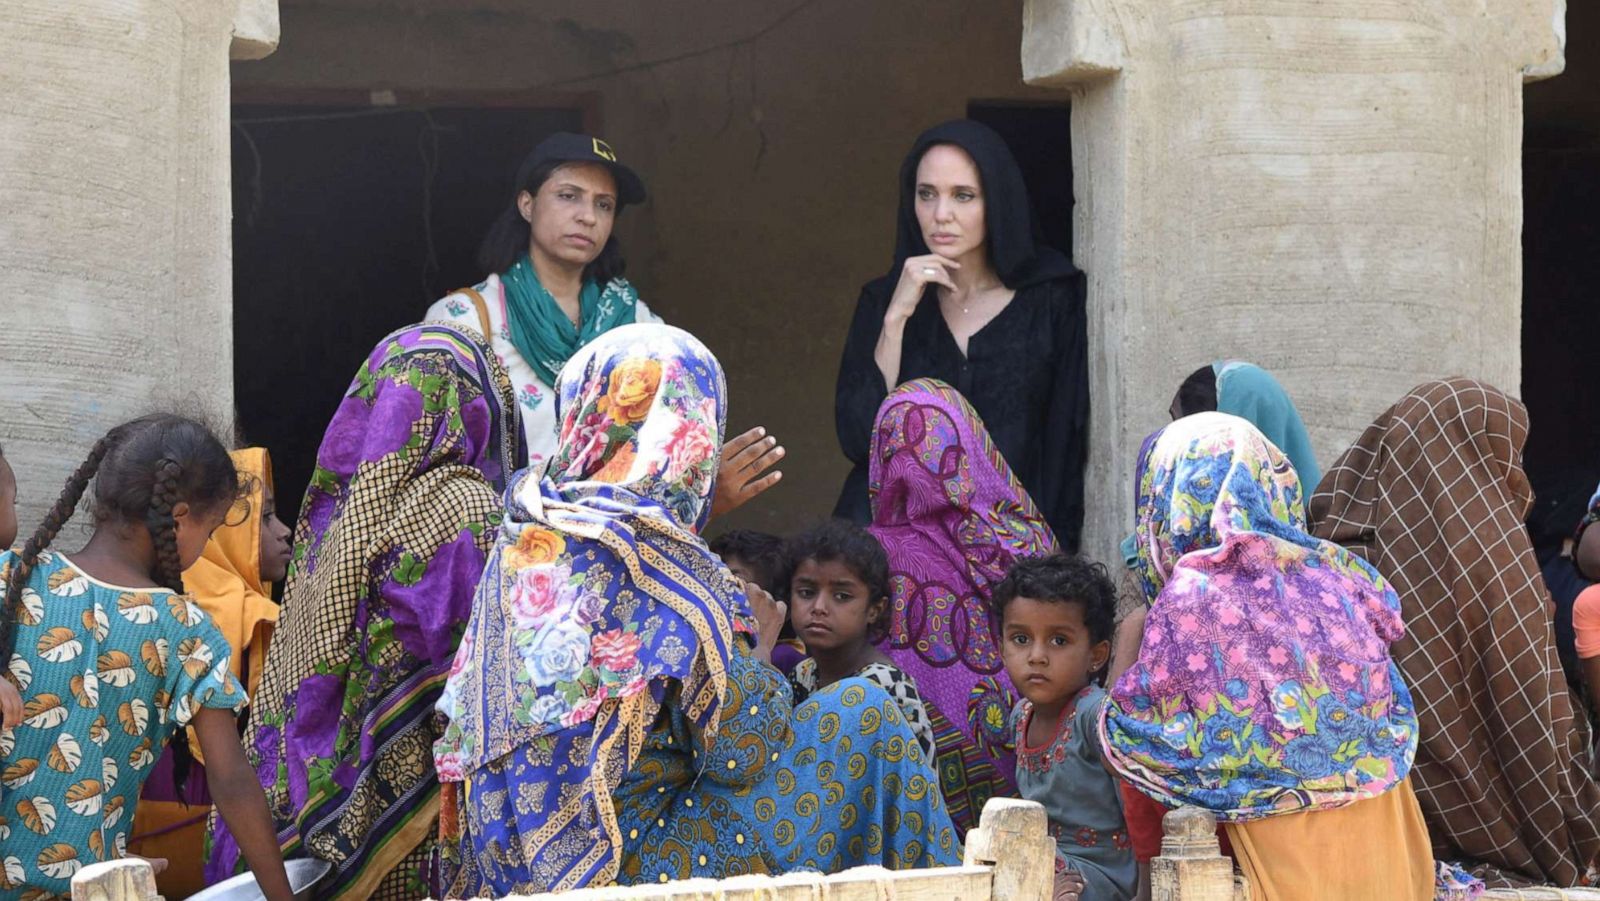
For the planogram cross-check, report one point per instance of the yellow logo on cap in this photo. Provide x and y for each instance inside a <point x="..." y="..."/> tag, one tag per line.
<point x="604" y="151"/>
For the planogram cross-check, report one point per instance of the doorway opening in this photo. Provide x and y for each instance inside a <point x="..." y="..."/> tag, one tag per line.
<point x="349" y="220"/>
<point x="1040" y="137"/>
<point x="1561" y="271"/>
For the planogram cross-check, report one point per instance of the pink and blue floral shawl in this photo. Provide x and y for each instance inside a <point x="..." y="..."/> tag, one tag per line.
<point x="1264" y="683"/>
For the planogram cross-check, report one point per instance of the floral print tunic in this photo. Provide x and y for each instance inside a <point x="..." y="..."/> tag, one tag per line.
<point x="106" y="674"/>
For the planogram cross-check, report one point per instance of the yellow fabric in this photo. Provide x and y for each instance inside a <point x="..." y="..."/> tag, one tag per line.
<point x="1372" y="850"/>
<point x="226" y="583"/>
<point x="226" y="580"/>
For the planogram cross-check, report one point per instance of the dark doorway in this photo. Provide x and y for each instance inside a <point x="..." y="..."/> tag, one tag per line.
<point x="1040" y="137"/>
<point x="1561" y="271"/>
<point x="348" y="222"/>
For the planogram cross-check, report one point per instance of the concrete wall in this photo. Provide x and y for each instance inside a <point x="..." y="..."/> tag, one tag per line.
<point x="770" y="144"/>
<point x="114" y="253"/>
<point x="1334" y="195"/>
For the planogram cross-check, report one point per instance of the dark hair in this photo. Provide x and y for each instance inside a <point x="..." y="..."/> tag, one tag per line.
<point x="508" y="237"/>
<point x="1063" y="579"/>
<point x="842" y="541"/>
<point x="1198" y="393"/>
<point x="761" y="551"/>
<point x="141" y="470"/>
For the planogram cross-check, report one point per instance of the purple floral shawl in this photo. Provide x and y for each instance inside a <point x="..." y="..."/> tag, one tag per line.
<point x="388" y="550"/>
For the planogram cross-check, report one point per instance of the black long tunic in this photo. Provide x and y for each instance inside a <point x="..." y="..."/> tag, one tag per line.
<point x="1025" y="372"/>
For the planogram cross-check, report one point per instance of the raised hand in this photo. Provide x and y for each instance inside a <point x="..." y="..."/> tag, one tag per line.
<point x="740" y="476"/>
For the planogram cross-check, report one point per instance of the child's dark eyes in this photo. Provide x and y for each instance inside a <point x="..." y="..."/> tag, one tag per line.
<point x="1059" y="641"/>
<point x="1019" y="639"/>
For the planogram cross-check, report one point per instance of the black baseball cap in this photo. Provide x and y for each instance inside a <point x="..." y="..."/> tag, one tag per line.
<point x="566" y="147"/>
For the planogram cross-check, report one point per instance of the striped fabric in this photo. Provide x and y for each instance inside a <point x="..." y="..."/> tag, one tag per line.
<point x="1433" y="494"/>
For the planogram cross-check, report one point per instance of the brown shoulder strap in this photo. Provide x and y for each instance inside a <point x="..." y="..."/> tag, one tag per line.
<point x="483" y="313"/>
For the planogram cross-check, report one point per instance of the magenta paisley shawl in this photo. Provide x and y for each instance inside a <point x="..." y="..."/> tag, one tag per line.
<point x="952" y="518"/>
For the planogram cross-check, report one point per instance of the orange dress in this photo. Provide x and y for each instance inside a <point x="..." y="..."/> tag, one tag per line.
<point x="226" y="583"/>
<point x="1372" y="850"/>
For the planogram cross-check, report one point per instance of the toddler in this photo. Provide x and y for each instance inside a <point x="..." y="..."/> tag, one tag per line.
<point x="1056" y="616"/>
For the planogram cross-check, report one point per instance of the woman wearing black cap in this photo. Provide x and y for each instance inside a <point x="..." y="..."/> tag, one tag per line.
<point x="555" y="284"/>
<point x="975" y="299"/>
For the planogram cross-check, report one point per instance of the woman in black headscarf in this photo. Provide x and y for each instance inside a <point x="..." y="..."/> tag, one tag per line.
<point x="975" y="299"/>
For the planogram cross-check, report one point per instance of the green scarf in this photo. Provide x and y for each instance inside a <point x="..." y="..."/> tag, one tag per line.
<point x="543" y="334"/>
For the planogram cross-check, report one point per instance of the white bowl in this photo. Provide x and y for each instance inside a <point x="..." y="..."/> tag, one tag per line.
<point x="304" y="873"/>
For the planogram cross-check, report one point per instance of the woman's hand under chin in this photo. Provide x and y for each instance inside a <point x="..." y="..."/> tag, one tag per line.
<point x="740" y="476"/>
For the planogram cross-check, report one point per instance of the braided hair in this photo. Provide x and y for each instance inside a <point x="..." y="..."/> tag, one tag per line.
<point x="141" y="470"/>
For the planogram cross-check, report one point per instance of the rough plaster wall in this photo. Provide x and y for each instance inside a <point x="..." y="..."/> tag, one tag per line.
<point x="770" y="146"/>
<point x="1334" y="195"/>
<point x="114" y="253"/>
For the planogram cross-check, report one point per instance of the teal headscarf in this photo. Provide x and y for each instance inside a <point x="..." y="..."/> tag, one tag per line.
<point x="543" y="334"/>
<point x="1251" y="393"/>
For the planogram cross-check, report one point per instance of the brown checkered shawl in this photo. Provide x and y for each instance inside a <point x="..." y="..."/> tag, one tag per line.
<point x="1433" y="495"/>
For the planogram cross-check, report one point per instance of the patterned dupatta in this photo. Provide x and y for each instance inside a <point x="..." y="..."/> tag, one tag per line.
<point x="601" y="602"/>
<point x="388" y="548"/>
<point x="952" y="518"/>
<point x="1264" y="684"/>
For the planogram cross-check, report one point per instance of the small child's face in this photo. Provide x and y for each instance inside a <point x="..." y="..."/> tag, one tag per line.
<point x="1048" y="651"/>
<point x="274" y="539"/>
<point x="830" y="606"/>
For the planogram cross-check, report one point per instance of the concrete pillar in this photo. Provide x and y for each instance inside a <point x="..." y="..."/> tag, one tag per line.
<point x="115" y="212"/>
<point x="1331" y="190"/>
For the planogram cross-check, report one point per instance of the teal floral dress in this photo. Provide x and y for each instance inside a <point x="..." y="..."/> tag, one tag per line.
<point x="106" y="674"/>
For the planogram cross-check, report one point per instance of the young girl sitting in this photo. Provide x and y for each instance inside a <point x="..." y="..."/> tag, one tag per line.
<point x="1055" y="625"/>
<point x="839" y="605"/>
<point x="111" y="659"/>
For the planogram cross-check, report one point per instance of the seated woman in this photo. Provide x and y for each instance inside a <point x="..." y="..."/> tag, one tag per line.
<point x="952" y="518"/>
<point x="612" y="714"/>
<point x="388" y="549"/>
<point x="1264" y="691"/>
<point x="1433" y="494"/>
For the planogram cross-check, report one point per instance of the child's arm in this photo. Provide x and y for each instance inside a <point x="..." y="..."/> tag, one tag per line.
<point x="240" y="801"/>
<point x="10" y="705"/>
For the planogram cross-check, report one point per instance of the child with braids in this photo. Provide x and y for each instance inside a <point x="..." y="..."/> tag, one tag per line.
<point x="112" y="659"/>
<point x="10" y="699"/>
